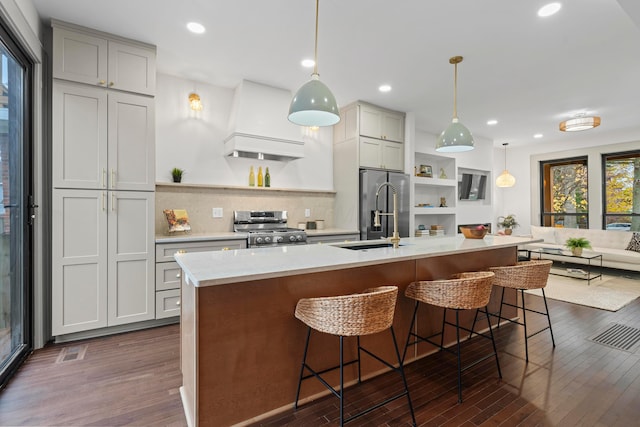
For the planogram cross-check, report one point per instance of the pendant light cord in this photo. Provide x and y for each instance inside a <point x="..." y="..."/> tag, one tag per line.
<point x="315" y="54"/>
<point x="505" y="154"/>
<point x="455" y="90"/>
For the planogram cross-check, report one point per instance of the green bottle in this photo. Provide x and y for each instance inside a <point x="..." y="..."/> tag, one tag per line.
<point x="267" y="179"/>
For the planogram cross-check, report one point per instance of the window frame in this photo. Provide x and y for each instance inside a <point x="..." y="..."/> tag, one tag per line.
<point x="604" y="157"/>
<point x="543" y="189"/>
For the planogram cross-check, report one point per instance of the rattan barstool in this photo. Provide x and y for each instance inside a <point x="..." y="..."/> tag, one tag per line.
<point x="522" y="276"/>
<point x="356" y="315"/>
<point x="464" y="291"/>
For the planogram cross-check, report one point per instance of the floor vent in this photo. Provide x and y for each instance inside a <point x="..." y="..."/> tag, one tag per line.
<point x="72" y="353"/>
<point x="618" y="336"/>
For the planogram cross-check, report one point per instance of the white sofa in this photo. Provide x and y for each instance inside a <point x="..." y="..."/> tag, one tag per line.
<point x="611" y="244"/>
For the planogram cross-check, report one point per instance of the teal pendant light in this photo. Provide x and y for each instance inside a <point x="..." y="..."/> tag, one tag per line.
<point x="314" y="104"/>
<point x="456" y="138"/>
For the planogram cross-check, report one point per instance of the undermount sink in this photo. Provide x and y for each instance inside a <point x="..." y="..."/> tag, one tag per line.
<point x="359" y="246"/>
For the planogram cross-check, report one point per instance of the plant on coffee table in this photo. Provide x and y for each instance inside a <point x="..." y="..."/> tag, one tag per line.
<point x="576" y="244"/>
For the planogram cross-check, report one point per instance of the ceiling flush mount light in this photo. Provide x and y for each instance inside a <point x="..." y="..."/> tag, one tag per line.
<point x="314" y="104"/>
<point x="196" y="28"/>
<point x="580" y="122"/>
<point x="456" y="138"/>
<point x="549" y="9"/>
<point x="505" y="179"/>
<point x="194" y="102"/>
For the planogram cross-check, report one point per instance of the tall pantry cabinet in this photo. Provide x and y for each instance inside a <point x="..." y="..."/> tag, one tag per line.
<point x="103" y="162"/>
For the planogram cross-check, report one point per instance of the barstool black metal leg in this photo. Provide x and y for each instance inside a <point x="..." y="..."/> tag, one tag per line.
<point x="475" y="319"/>
<point x="359" y="370"/>
<point x="413" y="321"/>
<point x="459" y="359"/>
<point x="524" y="323"/>
<point x="404" y="378"/>
<point x="500" y="311"/>
<point x="341" y="381"/>
<point x="304" y="362"/>
<point x="493" y="341"/>
<point x="546" y="307"/>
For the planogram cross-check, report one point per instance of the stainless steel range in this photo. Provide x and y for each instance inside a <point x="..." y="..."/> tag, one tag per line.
<point x="267" y="228"/>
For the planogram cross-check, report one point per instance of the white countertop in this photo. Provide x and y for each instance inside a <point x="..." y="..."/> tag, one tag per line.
<point x="243" y="265"/>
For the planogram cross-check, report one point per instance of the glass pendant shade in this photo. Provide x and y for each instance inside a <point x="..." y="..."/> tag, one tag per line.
<point x="505" y="179"/>
<point x="314" y="105"/>
<point x="455" y="139"/>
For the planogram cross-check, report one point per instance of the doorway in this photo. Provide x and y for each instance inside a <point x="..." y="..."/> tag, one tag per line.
<point x="16" y="206"/>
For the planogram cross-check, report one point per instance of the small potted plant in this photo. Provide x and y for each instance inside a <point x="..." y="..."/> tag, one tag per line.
<point x="508" y="223"/>
<point x="176" y="173"/>
<point x="576" y="244"/>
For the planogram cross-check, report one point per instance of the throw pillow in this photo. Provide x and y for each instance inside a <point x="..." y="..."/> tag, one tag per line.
<point x="634" y="244"/>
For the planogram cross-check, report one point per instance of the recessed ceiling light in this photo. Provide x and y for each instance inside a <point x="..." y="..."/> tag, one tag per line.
<point x="384" y="88"/>
<point x="549" y="9"/>
<point x="308" y="63"/>
<point x="196" y="28"/>
<point x="492" y="122"/>
<point x="538" y="135"/>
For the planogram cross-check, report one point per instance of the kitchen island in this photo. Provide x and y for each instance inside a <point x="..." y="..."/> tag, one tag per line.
<point x="241" y="346"/>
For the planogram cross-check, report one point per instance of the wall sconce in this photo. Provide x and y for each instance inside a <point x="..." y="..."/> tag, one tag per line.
<point x="194" y="102"/>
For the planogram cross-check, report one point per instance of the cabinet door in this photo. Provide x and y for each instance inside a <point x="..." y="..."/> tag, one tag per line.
<point x="393" y="127"/>
<point x="132" y="68"/>
<point x="131" y="142"/>
<point x="79" y="136"/>
<point x="370" y="155"/>
<point x="79" y="57"/>
<point x="392" y="155"/>
<point x="131" y="286"/>
<point x="79" y="258"/>
<point x="370" y="122"/>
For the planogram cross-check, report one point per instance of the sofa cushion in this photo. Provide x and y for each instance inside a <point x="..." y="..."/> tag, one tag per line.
<point x="597" y="238"/>
<point x="548" y="234"/>
<point x="618" y="255"/>
<point x="634" y="244"/>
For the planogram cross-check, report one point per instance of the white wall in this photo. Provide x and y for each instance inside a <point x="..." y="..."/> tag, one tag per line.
<point x="195" y="142"/>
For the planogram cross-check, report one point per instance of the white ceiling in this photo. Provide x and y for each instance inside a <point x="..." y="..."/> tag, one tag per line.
<point x="527" y="72"/>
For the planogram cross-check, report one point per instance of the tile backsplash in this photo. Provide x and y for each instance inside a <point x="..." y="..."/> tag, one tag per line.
<point x="199" y="201"/>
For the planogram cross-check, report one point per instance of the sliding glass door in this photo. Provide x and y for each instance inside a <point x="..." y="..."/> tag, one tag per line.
<point x="15" y="207"/>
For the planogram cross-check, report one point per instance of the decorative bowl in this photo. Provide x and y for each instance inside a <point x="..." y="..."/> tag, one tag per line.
<point x="474" y="233"/>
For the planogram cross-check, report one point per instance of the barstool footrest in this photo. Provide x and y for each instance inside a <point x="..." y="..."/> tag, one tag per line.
<point x="520" y="323"/>
<point x="373" y="408"/>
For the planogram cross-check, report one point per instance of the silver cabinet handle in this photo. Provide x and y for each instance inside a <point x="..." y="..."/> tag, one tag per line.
<point x="178" y="302"/>
<point x="104" y="201"/>
<point x="113" y="178"/>
<point x="101" y="82"/>
<point x="111" y="83"/>
<point x="113" y="202"/>
<point x="178" y="276"/>
<point x="104" y="178"/>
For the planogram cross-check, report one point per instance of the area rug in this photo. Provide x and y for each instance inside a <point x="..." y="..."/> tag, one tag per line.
<point x="611" y="293"/>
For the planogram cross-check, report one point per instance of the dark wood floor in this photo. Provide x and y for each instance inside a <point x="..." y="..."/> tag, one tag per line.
<point x="133" y="379"/>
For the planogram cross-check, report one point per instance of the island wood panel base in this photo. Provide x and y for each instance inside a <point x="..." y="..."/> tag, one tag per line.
<point x="242" y="346"/>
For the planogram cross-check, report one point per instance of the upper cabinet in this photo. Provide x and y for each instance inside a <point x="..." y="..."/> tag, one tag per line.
<point x="381" y="124"/>
<point x="376" y="134"/>
<point x="92" y="58"/>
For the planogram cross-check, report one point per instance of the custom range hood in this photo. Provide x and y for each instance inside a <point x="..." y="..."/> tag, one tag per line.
<point x="258" y="126"/>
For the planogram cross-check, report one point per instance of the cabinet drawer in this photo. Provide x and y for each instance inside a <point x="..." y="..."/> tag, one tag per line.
<point x="340" y="238"/>
<point x="167" y="303"/>
<point x="168" y="276"/>
<point x="165" y="251"/>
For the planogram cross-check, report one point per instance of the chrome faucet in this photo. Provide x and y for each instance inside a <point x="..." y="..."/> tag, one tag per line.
<point x="395" y="239"/>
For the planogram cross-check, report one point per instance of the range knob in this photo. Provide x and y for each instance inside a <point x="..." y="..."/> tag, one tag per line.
<point x="258" y="239"/>
<point x="299" y="237"/>
<point x="292" y="238"/>
<point x="267" y="239"/>
<point x="279" y="239"/>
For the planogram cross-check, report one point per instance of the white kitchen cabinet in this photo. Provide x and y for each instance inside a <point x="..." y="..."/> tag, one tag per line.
<point x="98" y="59"/>
<point x="103" y="260"/>
<point x="102" y="139"/>
<point x="380" y="154"/>
<point x="168" y="272"/>
<point x="379" y="123"/>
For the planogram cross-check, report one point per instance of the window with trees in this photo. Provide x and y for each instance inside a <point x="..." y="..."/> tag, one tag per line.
<point x="621" y="191"/>
<point x="565" y="201"/>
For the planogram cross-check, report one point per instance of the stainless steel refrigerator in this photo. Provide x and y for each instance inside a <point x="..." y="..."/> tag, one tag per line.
<point x="370" y="181"/>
